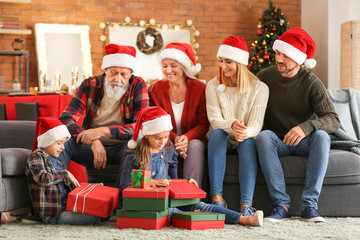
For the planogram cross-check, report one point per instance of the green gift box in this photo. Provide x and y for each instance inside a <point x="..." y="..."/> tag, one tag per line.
<point x="182" y="202"/>
<point x="142" y="214"/>
<point x="199" y="216"/>
<point x="149" y="199"/>
<point x="198" y="220"/>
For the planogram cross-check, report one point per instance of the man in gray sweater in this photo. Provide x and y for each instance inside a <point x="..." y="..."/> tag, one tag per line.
<point x="298" y="118"/>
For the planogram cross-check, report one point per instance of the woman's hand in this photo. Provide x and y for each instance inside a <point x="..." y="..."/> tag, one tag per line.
<point x="191" y="180"/>
<point x="73" y="179"/>
<point x="181" y="144"/>
<point x="239" y="130"/>
<point x="159" y="182"/>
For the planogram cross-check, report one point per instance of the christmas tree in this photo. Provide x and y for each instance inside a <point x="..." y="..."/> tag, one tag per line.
<point x="272" y="24"/>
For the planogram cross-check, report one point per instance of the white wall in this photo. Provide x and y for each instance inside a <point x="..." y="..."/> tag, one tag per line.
<point x="322" y="19"/>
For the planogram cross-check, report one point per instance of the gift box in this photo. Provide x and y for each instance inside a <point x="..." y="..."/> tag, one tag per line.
<point x="93" y="199"/>
<point x="183" y="189"/>
<point x="182" y="202"/>
<point x="142" y="223"/>
<point x="149" y="199"/>
<point x="143" y="214"/>
<point x="140" y="178"/>
<point x="198" y="220"/>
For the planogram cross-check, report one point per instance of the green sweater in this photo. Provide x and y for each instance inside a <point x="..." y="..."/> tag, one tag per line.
<point x="301" y="100"/>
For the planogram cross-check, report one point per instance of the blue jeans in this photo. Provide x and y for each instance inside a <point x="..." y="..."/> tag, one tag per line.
<point x="231" y="217"/>
<point x="71" y="218"/>
<point x="218" y="147"/>
<point x="315" y="146"/>
<point x="82" y="153"/>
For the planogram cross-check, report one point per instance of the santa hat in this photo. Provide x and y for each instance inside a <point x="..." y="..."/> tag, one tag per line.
<point x="48" y="131"/>
<point x="184" y="54"/>
<point x="119" y="56"/>
<point x="233" y="48"/>
<point x="150" y="120"/>
<point x="297" y="44"/>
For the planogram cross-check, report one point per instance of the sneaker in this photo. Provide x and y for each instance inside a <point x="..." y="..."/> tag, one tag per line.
<point x="311" y="215"/>
<point x="279" y="213"/>
<point x="31" y="219"/>
<point x="247" y="211"/>
<point x="220" y="204"/>
<point x="255" y="220"/>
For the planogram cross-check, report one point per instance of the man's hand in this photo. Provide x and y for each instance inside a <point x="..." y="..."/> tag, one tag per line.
<point x="73" y="179"/>
<point x="294" y="136"/>
<point x="99" y="154"/>
<point x="90" y="135"/>
<point x="239" y="130"/>
<point x="181" y="144"/>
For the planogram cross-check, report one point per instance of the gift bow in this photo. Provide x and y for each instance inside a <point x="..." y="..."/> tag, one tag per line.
<point x="136" y="177"/>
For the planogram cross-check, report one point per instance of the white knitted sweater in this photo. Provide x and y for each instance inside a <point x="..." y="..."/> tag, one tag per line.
<point x="223" y="108"/>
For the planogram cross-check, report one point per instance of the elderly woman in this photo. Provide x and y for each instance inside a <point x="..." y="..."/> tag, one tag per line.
<point x="183" y="97"/>
<point x="236" y="102"/>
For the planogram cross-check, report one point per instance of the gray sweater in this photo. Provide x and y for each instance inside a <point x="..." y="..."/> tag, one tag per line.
<point x="301" y="100"/>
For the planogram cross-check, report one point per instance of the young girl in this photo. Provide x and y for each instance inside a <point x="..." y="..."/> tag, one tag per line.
<point x="48" y="180"/>
<point x="154" y="153"/>
<point x="236" y="103"/>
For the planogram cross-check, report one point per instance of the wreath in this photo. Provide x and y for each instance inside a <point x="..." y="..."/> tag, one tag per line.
<point x="143" y="46"/>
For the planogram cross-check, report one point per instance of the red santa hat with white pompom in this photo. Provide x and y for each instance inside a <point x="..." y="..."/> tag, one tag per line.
<point x="183" y="53"/>
<point x="233" y="48"/>
<point x="297" y="44"/>
<point x="149" y="121"/>
<point x="48" y="131"/>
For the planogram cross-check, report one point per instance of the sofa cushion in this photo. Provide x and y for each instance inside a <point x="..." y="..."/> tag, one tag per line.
<point x="343" y="168"/>
<point x="13" y="161"/>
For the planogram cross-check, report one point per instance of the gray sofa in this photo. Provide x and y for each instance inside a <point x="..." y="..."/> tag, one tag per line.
<point x="339" y="197"/>
<point x="340" y="193"/>
<point x="16" y="141"/>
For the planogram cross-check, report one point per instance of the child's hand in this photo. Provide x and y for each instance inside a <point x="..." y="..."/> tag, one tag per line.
<point x="73" y="179"/>
<point x="159" y="182"/>
<point x="191" y="180"/>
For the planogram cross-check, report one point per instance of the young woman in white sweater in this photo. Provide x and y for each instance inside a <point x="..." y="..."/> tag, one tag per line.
<point x="236" y="102"/>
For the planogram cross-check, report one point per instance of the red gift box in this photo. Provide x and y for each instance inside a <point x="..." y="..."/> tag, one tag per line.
<point x="198" y="220"/>
<point x="142" y="223"/>
<point x="140" y="178"/>
<point x="153" y="192"/>
<point x="183" y="189"/>
<point x="93" y="199"/>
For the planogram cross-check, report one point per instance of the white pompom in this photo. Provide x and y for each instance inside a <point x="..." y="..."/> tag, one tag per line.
<point x="310" y="63"/>
<point x="195" y="69"/>
<point x="221" y="88"/>
<point x="132" y="144"/>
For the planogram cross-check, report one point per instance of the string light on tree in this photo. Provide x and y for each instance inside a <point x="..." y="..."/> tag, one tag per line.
<point x="271" y="26"/>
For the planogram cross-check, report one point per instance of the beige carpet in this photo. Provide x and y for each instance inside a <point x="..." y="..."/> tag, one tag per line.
<point x="333" y="228"/>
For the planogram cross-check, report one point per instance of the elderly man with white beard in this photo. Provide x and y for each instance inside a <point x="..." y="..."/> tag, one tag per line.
<point x="110" y="102"/>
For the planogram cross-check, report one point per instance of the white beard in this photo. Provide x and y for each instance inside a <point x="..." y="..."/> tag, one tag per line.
<point x="114" y="91"/>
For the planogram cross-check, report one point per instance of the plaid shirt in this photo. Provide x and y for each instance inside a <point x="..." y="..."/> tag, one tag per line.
<point x="43" y="183"/>
<point x="88" y="98"/>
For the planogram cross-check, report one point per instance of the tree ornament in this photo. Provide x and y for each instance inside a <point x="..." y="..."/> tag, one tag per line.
<point x="264" y="42"/>
<point x="274" y="29"/>
<point x="261" y="60"/>
<point x="260" y="32"/>
<point x="266" y="56"/>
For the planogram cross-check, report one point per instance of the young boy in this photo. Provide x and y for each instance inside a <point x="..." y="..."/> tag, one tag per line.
<point x="48" y="180"/>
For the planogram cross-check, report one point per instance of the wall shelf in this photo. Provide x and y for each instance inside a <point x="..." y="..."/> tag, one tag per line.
<point x="15" y="31"/>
